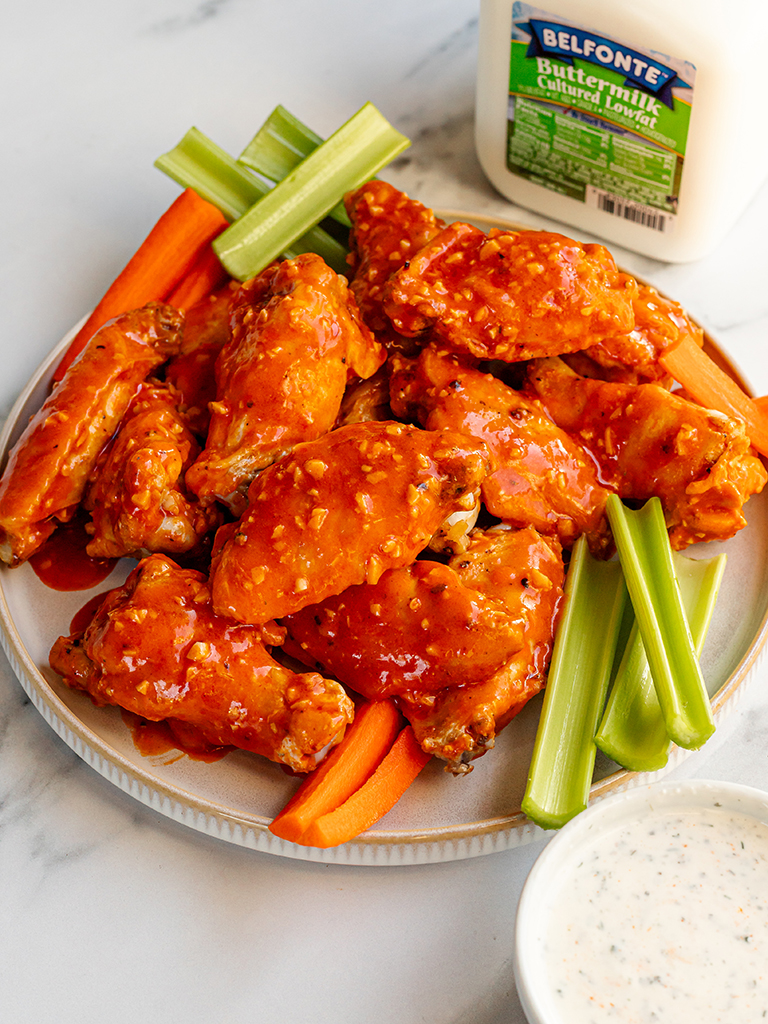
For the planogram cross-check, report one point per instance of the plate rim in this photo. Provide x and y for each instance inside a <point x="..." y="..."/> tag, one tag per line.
<point x="376" y="847"/>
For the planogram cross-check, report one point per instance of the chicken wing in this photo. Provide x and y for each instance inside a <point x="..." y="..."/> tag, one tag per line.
<point x="461" y="647"/>
<point x="137" y="499"/>
<point x="156" y="648"/>
<point x="511" y="296"/>
<point x="649" y="441"/>
<point x="296" y="340"/>
<point x="538" y="476"/>
<point x="49" y="466"/>
<point x="339" y="511"/>
<point x="387" y="229"/>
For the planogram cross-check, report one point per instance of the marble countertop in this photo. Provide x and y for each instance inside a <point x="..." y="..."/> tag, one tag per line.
<point x="111" y="912"/>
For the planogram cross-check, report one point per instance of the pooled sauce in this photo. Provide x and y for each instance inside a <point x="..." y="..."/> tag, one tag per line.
<point x="62" y="562"/>
<point x="665" y="919"/>
<point x="153" y="739"/>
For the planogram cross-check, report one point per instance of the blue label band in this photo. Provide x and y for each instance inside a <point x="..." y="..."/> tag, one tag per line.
<point x="566" y="42"/>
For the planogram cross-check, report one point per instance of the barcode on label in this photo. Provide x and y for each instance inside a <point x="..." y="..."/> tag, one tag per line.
<point x="637" y="213"/>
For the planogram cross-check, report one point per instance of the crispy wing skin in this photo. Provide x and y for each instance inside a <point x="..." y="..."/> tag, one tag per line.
<point x="297" y="340"/>
<point x="388" y="228"/>
<point x="192" y="371"/>
<point x="634" y="358"/>
<point x="523" y="571"/>
<point x="366" y="400"/>
<point x="539" y="475"/>
<point x="340" y="511"/>
<point x="417" y="630"/>
<point x="137" y="499"/>
<point x="48" y="467"/>
<point x="648" y="441"/>
<point x="511" y="296"/>
<point x="156" y="648"/>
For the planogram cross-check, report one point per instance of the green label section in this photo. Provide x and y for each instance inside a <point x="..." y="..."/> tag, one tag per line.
<point x="576" y="125"/>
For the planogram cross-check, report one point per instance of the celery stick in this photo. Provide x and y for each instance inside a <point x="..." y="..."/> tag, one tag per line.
<point x="646" y="557"/>
<point x="281" y="143"/>
<point x="632" y="731"/>
<point x="350" y="157"/>
<point x="585" y="644"/>
<point x="198" y="163"/>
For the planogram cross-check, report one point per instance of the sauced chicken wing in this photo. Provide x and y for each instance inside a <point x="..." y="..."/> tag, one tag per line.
<point x="461" y="647"/>
<point x="387" y="229"/>
<point x="511" y="296"/>
<point x="649" y="441"/>
<point x="192" y="371"/>
<point x="48" y="467"/>
<point x="539" y="476"/>
<point x="156" y="648"/>
<point x="415" y="631"/>
<point x="634" y="358"/>
<point x="296" y="340"/>
<point x="137" y="499"/>
<point x="340" y="511"/>
<point x="524" y="572"/>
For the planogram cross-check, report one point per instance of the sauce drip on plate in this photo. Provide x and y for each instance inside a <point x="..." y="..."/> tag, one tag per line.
<point x="62" y="562"/>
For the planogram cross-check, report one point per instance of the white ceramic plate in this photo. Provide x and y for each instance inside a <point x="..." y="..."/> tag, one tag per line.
<point x="440" y="817"/>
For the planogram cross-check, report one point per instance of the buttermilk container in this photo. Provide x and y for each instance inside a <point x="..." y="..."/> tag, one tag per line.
<point x="642" y="123"/>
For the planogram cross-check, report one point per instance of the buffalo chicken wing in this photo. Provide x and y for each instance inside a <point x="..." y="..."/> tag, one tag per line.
<point x="649" y="441"/>
<point x="296" y="341"/>
<point x="156" y="648"/>
<point x="340" y="511"/>
<point x="48" y="468"/>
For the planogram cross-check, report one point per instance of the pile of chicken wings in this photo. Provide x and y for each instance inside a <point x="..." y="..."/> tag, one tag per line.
<point x="341" y="489"/>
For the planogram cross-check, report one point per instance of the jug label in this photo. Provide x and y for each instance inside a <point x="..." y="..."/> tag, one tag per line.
<point x="596" y="119"/>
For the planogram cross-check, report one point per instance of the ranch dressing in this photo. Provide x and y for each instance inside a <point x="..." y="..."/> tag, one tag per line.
<point x="640" y="123"/>
<point x="664" y="919"/>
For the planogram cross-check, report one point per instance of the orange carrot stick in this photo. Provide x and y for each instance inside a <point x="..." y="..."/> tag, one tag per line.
<point x="762" y="405"/>
<point x="158" y="265"/>
<point x="714" y="389"/>
<point x="205" y="276"/>
<point x="374" y="798"/>
<point x="343" y="771"/>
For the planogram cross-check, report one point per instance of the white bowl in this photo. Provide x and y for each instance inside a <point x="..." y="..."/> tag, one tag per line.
<point x="631" y="910"/>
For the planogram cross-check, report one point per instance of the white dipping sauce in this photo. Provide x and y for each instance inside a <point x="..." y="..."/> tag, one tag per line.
<point x="664" y="919"/>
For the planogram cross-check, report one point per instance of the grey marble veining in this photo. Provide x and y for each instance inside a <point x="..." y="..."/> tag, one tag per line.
<point x="110" y="912"/>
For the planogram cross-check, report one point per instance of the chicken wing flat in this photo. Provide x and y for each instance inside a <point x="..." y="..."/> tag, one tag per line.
<point x="340" y="511"/>
<point x="192" y="371"/>
<point x="539" y="475"/>
<point x="137" y="499"/>
<point x="156" y="648"/>
<point x="634" y="358"/>
<point x="511" y="296"/>
<point x="49" y="466"/>
<point x="388" y="228"/>
<point x="523" y="571"/>
<point x="297" y="339"/>
<point x="417" y="630"/>
<point x="649" y="441"/>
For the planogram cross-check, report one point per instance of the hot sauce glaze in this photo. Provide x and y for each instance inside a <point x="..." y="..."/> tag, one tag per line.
<point x="155" y="738"/>
<point x="62" y="564"/>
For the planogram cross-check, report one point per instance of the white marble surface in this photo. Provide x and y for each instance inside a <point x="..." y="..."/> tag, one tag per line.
<point x="109" y="912"/>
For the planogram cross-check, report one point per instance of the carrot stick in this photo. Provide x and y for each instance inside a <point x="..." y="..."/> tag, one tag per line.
<point x="714" y="389"/>
<point x="205" y="276"/>
<point x="343" y="771"/>
<point x="158" y="265"/>
<point x="762" y="405"/>
<point x="374" y="798"/>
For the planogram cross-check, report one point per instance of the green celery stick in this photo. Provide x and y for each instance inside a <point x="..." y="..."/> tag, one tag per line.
<point x="646" y="557"/>
<point x="632" y="731"/>
<point x="582" y="660"/>
<point x="281" y="143"/>
<point x="198" y="163"/>
<point x="351" y="156"/>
